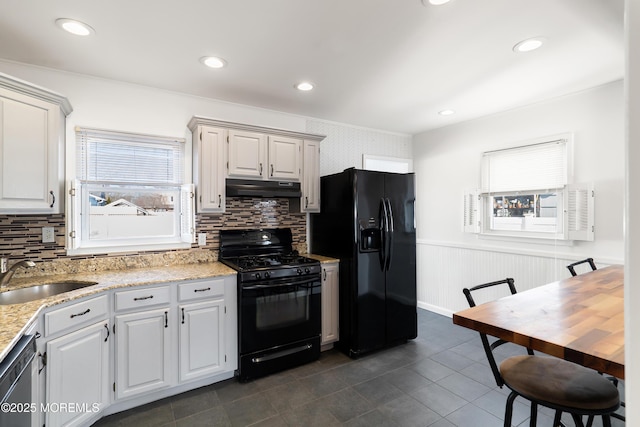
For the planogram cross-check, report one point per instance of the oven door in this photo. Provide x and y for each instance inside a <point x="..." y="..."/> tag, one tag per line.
<point x="277" y="312"/>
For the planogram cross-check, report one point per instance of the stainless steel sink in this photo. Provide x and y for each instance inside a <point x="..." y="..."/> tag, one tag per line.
<point x="32" y="293"/>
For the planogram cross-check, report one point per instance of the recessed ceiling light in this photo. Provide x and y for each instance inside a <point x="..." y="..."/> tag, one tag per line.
<point x="304" y="86"/>
<point x="446" y="112"/>
<point x="529" y="44"/>
<point x="75" y="27"/>
<point x="213" y="61"/>
<point x="434" y="2"/>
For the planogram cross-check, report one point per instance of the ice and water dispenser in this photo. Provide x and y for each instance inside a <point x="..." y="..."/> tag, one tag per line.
<point x="370" y="238"/>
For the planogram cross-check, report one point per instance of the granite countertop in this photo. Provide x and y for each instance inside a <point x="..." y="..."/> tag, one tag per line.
<point x="322" y="258"/>
<point x="15" y="319"/>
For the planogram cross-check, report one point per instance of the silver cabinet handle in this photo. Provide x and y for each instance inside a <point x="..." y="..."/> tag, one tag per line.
<point x="53" y="202"/>
<point x="306" y="202"/>
<point x="271" y="169"/>
<point x="219" y="200"/>
<point x="260" y="168"/>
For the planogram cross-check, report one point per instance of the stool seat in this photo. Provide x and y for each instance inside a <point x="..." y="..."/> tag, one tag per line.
<point x="565" y="385"/>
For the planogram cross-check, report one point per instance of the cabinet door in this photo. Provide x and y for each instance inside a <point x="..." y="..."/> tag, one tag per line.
<point x="247" y="154"/>
<point x="311" y="177"/>
<point x="210" y="168"/>
<point x="330" y="303"/>
<point x="31" y="145"/>
<point x="285" y="158"/>
<point x="77" y="373"/>
<point x="201" y="339"/>
<point x="143" y="352"/>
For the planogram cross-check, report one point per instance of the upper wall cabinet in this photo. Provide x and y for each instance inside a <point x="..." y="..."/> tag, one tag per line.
<point x="234" y="150"/>
<point x="311" y="177"/>
<point x="32" y="135"/>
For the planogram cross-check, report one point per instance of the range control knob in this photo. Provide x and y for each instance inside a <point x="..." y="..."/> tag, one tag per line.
<point x="267" y="274"/>
<point x="306" y="270"/>
<point x="257" y="275"/>
<point x="299" y="271"/>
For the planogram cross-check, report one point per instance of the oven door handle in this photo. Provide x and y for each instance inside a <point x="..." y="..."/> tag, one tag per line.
<point x="284" y="284"/>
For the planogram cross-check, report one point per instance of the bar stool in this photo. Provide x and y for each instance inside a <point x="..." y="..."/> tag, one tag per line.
<point x="571" y="266"/>
<point x="548" y="381"/>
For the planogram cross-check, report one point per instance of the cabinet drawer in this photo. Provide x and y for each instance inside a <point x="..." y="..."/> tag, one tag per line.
<point x="76" y="315"/>
<point x="142" y="297"/>
<point x="201" y="289"/>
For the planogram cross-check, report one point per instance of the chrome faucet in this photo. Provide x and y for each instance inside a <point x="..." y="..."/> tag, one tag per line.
<point x="7" y="272"/>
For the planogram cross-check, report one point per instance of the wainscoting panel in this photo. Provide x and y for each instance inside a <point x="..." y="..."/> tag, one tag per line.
<point x="443" y="270"/>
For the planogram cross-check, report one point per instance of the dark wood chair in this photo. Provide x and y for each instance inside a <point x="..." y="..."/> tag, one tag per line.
<point x="571" y="267"/>
<point x="548" y="381"/>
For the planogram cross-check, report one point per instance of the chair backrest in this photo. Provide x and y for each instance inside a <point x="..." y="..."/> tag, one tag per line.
<point x="489" y="347"/>
<point x="571" y="267"/>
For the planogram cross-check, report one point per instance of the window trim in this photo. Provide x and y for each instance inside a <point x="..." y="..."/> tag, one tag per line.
<point x="186" y="216"/>
<point x="575" y="210"/>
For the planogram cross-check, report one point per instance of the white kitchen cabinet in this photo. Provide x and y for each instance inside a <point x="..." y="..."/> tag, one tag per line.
<point x="255" y="155"/>
<point x="252" y="153"/>
<point x="330" y="303"/>
<point x="209" y="168"/>
<point x="32" y="135"/>
<point x="207" y="332"/>
<point x="310" y="200"/>
<point x="202" y="350"/>
<point x="247" y="154"/>
<point x="143" y="352"/>
<point x="77" y="373"/>
<point x="285" y="158"/>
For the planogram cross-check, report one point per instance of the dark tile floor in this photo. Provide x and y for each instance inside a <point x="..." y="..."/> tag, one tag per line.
<point x="439" y="379"/>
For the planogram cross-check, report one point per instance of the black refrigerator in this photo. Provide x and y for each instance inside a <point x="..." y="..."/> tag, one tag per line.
<point x="367" y="222"/>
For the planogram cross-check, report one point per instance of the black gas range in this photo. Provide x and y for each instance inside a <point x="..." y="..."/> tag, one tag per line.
<point x="279" y="294"/>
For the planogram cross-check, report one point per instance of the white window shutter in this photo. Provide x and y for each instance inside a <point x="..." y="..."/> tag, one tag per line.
<point x="579" y="209"/>
<point x="74" y="224"/>
<point x="472" y="212"/>
<point x="187" y="217"/>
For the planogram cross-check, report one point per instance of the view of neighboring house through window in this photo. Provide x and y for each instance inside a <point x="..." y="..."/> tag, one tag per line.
<point x="130" y="192"/>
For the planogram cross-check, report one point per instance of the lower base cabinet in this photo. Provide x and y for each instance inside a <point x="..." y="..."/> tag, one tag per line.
<point x="77" y="374"/>
<point x="330" y="302"/>
<point x="122" y="349"/>
<point x="143" y="352"/>
<point x="202" y="339"/>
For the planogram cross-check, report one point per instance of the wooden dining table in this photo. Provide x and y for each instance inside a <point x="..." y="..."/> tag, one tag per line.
<point x="580" y="319"/>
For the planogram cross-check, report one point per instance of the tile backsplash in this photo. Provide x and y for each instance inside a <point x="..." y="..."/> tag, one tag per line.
<point x="21" y="237"/>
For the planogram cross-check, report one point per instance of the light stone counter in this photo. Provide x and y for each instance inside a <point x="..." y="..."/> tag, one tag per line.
<point x="323" y="259"/>
<point x="15" y="319"/>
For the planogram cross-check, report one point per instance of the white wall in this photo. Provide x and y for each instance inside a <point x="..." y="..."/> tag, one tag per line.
<point x="344" y="145"/>
<point x="447" y="162"/>
<point x="113" y="105"/>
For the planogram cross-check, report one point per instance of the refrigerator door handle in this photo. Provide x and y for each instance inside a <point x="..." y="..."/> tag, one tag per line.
<point x="384" y="234"/>
<point x="390" y="229"/>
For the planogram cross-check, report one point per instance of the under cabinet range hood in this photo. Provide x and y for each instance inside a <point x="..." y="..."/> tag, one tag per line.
<point x="256" y="188"/>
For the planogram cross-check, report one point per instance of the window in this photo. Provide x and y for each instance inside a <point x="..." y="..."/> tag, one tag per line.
<point x="526" y="191"/>
<point x="129" y="193"/>
<point x="386" y="164"/>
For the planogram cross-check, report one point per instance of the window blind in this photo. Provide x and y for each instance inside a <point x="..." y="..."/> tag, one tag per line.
<point x="128" y="159"/>
<point x="539" y="166"/>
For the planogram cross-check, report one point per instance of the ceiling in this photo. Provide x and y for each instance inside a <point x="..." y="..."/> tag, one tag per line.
<point x="383" y="64"/>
